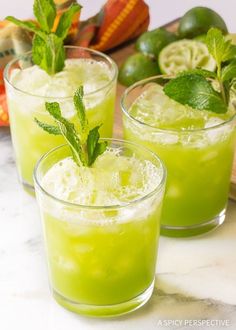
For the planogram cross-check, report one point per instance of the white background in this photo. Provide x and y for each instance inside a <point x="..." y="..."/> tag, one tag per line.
<point x="162" y="11"/>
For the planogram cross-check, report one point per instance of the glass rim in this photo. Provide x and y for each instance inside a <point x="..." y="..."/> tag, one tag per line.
<point x="125" y="111"/>
<point x="19" y="57"/>
<point x="102" y="207"/>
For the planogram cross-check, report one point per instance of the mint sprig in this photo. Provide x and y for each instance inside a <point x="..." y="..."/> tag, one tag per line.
<point x="48" y="48"/>
<point x="84" y="145"/>
<point x="195" y="88"/>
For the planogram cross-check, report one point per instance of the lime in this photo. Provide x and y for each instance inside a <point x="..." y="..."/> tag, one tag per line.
<point x="185" y="55"/>
<point x="152" y="42"/>
<point x="137" y="67"/>
<point x="199" y="20"/>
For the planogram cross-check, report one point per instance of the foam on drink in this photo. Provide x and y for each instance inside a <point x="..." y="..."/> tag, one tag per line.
<point x="113" y="180"/>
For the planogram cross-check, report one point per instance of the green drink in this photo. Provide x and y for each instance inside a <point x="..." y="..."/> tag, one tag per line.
<point x="101" y="227"/>
<point x="197" y="148"/>
<point x="28" y="88"/>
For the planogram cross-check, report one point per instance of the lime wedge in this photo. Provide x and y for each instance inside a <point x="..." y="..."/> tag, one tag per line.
<point x="185" y="55"/>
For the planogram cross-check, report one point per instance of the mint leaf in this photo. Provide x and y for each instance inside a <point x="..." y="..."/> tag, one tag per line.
<point x="201" y="72"/>
<point x="54" y="109"/>
<point x="39" y="52"/>
<point x="222" y="50"/>
<point x="80" y="108"/>
<point x="93" y="147"/>
<point x="45" y="12"/>
<point x="26" y="25"/>
<point x="55" y="53"/>
<point x="66" y="19"/>
<point x="229" y="71"/>
<point x="99" y="150"/>
<point x="49" y="54"/>
<point x="92" y="141"/>
<point x="219" y="47"/>
<point x="195" y="91"/>
<point x="227" y="86"/>
<point x="48" y="128"/>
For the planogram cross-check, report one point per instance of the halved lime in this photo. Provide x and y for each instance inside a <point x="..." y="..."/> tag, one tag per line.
<point x="137" y="67"/>
<point x="199" y="20"/>
<point x="185" y="55"/>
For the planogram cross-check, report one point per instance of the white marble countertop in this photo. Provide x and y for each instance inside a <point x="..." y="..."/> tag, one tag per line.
<point x="196" y="278"/>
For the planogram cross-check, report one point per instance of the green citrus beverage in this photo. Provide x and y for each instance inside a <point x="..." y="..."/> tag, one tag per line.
<point x="101" y="226"/>
<point x="197" y="148"/>
<point x="28" y="88"/>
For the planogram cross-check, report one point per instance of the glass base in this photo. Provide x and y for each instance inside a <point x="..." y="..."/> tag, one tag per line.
<point x="186" y="231"/>
<point x="105" y="310"/>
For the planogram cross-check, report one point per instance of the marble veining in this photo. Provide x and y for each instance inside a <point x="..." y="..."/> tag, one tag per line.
<point x="195" y="279"/>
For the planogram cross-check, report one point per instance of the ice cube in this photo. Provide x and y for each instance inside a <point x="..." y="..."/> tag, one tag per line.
<point x="67" y="264"/>
<point x="30" y="79"/>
